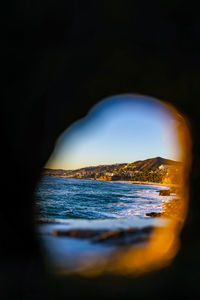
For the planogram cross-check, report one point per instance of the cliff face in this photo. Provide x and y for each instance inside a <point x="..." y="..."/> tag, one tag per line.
<point x="156" y="169"/>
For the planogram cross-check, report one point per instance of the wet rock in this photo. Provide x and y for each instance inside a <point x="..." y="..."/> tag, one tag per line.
<point x="112" y="237"/>
<point x="172" y="190"/>
<point x="125" y="237"/>
<point x="154" y="214"/>
<point x="164" y="192"/>
<point x="77" y="233"/>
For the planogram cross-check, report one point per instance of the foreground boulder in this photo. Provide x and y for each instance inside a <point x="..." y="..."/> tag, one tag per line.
<point x="112" y="237"/>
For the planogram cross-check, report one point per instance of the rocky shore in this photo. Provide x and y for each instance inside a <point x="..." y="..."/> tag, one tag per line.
<point x="78" y="244"/>
<point x="124" y="236"/>
<point x="171" y="208"/>
<point x="121" y="237"/>
<point x="130" y="236"/>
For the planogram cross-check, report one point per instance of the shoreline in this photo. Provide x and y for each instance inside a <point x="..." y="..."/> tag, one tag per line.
<point x="133" y="182"/>
<point x="144" y="182"/>
<point x="124" y="181"/>
<point x="102" y="237"/>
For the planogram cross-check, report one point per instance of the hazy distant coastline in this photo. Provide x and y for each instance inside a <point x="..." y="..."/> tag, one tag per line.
<point x="150" y="171"/>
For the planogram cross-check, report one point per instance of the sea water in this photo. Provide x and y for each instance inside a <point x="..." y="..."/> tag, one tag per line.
<point x="69" y="198"/>
<point x="68" y="203"/>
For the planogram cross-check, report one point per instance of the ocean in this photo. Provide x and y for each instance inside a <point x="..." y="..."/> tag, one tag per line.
<point x="59" y="198"/>
<point x="68" y="204"/>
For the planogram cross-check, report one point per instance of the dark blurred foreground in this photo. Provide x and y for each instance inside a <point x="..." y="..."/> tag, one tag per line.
<point x="60" y="58"/>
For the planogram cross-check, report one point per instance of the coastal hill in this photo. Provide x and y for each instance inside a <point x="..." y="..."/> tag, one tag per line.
<point x="153" y="163"/>
<point x="156" y="169"/>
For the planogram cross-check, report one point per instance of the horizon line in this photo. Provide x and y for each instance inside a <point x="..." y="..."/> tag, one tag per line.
<point x="91" y="166"/>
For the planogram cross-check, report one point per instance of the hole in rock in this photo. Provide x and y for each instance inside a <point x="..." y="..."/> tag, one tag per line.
<point x="113" y="196"/>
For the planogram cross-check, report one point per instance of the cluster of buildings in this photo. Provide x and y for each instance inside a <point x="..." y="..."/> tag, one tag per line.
<point x="167" y="173"/>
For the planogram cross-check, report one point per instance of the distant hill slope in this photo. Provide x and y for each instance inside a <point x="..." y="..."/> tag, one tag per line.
<point x="89" y="169"/>
<point x="101" y="168"/>
<point x="152" y="169"/>
<point x="153" y="163"/>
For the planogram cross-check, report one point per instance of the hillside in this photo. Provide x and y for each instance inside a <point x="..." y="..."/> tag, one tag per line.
<point x="156" y="169"/>
<point x="153" y="163"/>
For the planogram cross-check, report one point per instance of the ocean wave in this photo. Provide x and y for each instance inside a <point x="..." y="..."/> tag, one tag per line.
<point x="86" y="199"/>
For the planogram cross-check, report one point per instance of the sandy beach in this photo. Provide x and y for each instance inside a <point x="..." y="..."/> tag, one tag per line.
<point x="143" y="182"/>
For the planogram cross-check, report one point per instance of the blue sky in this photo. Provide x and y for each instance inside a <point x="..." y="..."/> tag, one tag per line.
<point x="122" y="128"/>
